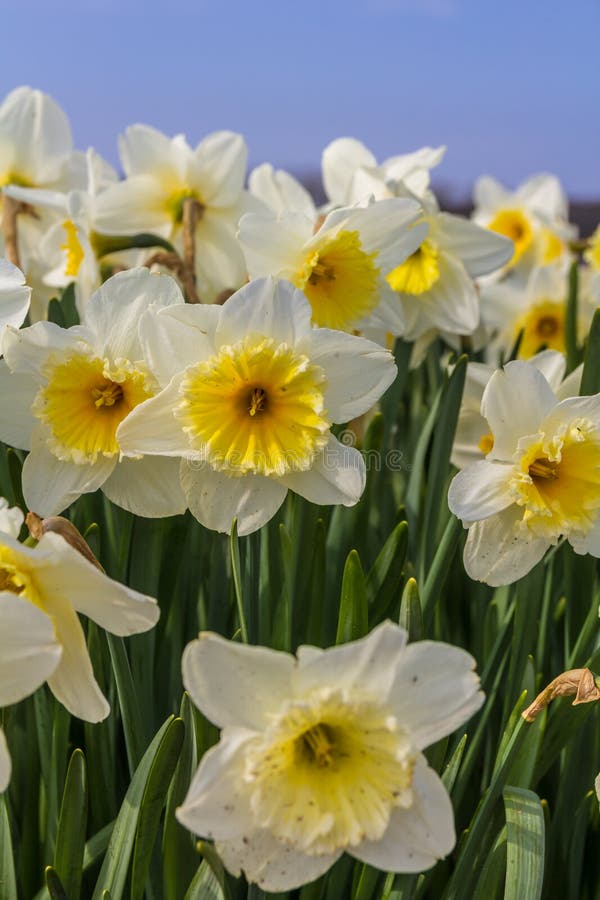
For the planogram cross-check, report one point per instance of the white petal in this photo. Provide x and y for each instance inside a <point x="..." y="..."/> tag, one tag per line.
<point x="147" y="487"/>
<point x="280" y="191"/>
<point x="357" y="372"/>
<point x="220" y="263"/>
<point x="50" y="484"/>
<point x="11" y="518"/>
<point x="73" y="682"/>
<point x="572" y="408"/>
<point x="435" y="690"/>
<point x="5" y="764"/>
<point x="270" y="864"/>
<point x="488" y="194"/>
<point x="29" y="650"/>
<point x="236" y="684"/>
<point x="178" y="337"/>
<point x="515" y="401"/>
<point x="499" y="551"/>
<point x="419" y="836"/>
<point x="216" y="806"/>
<point x="218" y="168"/>
<point x="17" y="393"/>
<point x="480" y="250"/>
<point x="544" y="195"/>
<point x="389" y="228"/>
<point x="480" y="490"/>
<point x="337" y="475"/>
<point x="152" y="429"/>
<point x="471" y="427"/>
<point x="367" y="665"/>
<point x="146" y="151"/>
<point x="274" y="245"/>
<point x="135" y="205"/>
<point x="27" y="349"/>
<point x="113" y="312"/>
<point x="340" y="160"/>
<point x="215" y="499"/>
<point x="451" y="304"/>
<point x="38" y="129"/>
<point x="14" y="296"/>
<point x="552" y="365"/>
<point x="67" y="576"/>
<point x="266" y="307"/>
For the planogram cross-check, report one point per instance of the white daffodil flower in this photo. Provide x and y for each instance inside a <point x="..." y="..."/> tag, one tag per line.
<point x="253" y="393"/>
<point x="280" y="192"/>
<point x="15" y="297"/>
<point x="66" y="253"/>
<point x="64" y="392"/>
<point x="322" y="754"/>
<point x="539" y="481"/>
<point x="161" y="173"/>
<point x="534" y="217"/>
<point x="349" y="168"/>
<point x="342" y="267"/>
<point x="435" y="285"/>
<point x="535" y="306"/>
<point x="473" y="440"/>
<point x="41" y="591"/>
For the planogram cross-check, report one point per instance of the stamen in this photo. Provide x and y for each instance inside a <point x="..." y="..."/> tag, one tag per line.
<point x="543" y="468"/>
<point x="258" y="401"/>
<point x="318" y="742"/>
<point x="107" y="396"/>
<point x="321" y="270"/>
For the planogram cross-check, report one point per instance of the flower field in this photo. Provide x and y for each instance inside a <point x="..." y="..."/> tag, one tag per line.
<point x="299" y="527"/>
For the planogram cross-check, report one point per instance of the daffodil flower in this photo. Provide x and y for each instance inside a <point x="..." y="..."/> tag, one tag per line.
<point x="280" y="192"/>
<point x="473" y="440"/>
<point x="350" y="171"/>
<point x="41" y="591"/>
<point x="342" y="267"/>
<point x="15" y="297"/>
<point x="534" y="217"/>
<point x="253" y="392"/>
<point x="321" y="753"/>
<point x="64" y="392"/>
<point x="536" y="306"/>
<point x="540" y="480"/>
<point x="66" y="253"/>
<point x="161" y="173"/>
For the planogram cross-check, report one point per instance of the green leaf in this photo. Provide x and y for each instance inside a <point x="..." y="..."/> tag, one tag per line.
<point x="54" y="885"/>
<point x="572" y="347"/>
<point x="179" y="857"/>
<point x="205" y="885"/>
<point x="353" y="617"/>
<point x="525" y="837"/>
<point x="451" y="771"/>
<point x="133" y="725"/>
<point x="435" y="577"/>
<point x="104" y="244"/>
<point x="436" y="504"/>
<point x="590" y="378"/>
<point x="153" y="800"/>
<point x="8" y="880"/>
<point x="72" y="825"/>
<point x="384" y="578"/>
<point x="234" y="546"/>
<point x="114" y="870"/>
<point x="63" y="311"/>
<point x="411" y="616"/>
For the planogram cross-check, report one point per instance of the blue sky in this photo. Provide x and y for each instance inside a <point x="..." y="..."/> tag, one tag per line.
<point x="512" y="87"/>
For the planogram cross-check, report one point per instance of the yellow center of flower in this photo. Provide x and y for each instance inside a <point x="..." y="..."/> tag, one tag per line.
<point x="486" y="443"/>
<point x="557" y="480"/>
<point x="176" y="200"/>
<point x="552" y="246"/>
<point x="255" y="408"/>
<point x="73" y="249"/>
<point x="418" y="273"/>
<point x="341" y="281"/>
<point x="15" y="576"/>
<point x="592" y="253"/>
<point x="84" y="402"/>
<point x="543" y="326"/>
<point x="513" y="224"/>
<point x="328" y="772"/>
